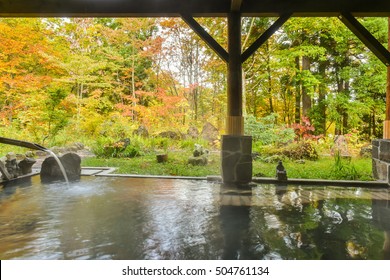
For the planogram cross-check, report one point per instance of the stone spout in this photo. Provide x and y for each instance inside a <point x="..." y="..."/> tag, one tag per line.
<point x="21" y="143"/>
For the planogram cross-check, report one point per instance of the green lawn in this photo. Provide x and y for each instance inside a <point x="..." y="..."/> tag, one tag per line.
<point x="324" y="168"/>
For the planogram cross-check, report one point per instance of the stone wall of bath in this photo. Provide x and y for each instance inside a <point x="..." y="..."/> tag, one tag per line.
<point x="236" y="159"/>
<point x="381" y="159"/>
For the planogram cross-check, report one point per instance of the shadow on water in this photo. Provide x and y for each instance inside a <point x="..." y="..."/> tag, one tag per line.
<point x="235" y="222"/>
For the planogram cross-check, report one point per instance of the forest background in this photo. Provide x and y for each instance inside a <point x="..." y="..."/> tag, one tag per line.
<point x="96" y="80"/>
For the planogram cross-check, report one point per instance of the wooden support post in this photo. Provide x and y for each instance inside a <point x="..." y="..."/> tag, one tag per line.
<point x="386" y="124"/>
<point x="235" y="122"/>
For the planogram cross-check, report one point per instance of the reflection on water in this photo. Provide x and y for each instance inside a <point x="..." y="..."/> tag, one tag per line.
<point x="128" y="218"/>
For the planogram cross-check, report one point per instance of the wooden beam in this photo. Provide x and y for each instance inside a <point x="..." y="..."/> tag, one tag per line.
<point x="236" y="5"/>
<point x="366" y="37"/>
<point x="264" y="37"/>
<point x="315" y="8"/>
<point x="206" y="37"/>
<point x="197" y="8"/>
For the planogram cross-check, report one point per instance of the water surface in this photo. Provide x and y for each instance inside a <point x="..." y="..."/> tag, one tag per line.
<point x="129" y="218"/>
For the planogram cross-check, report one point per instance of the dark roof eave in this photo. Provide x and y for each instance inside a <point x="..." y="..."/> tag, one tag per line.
<point x="197" y="8"/>
<point x="166" y="15"/>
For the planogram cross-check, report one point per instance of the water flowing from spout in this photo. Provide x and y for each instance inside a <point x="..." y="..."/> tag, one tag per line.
<point x="59" y="164"/>
<point x="34" y="146"/>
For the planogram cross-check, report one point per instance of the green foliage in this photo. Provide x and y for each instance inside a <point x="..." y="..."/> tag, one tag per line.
<point x="343" y="169"/>
<point x="189" y="144"/>
<point x="301" y="150"/>
<point x="107" y="148"/>
<point x="85" y="78"/>
<point x="177" y="164"/>
<point x="119" y="151"/>
<point x="157" y="143"/>
<point x="265" y="131"/>
<point x="323" y="168"/>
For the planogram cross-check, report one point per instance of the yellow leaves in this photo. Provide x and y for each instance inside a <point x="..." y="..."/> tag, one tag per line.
<point x="24" y="67"/>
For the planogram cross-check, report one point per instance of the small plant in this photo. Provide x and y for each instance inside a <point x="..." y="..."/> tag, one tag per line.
<point x="130" y="152"/>
<point x="343" y="168"/>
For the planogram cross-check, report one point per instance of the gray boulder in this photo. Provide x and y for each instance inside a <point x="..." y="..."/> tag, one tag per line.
<point x="209" y="132"/>
<point x="50" y="170"/>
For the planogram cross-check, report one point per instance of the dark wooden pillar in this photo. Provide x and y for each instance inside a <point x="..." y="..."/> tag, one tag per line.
<point x="386" y="125"/>
<point x="236" y="148"/>
<point x="235" y="121"/>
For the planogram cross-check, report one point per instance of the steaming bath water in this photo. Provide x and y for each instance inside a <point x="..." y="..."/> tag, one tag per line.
<point x="129" y="218"/>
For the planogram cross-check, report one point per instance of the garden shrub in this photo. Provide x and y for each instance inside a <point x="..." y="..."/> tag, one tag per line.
<point x="265" y="131"/>
<point x="130" y="152"/>
<point x="273" y="159"/>
<point x="119" y="149"/>
<point x="301" y="150"/>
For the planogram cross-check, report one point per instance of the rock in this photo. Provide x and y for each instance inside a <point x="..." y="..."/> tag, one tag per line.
<point x="162" y="158"/>
<point x="366" y="151"/>
<point x="209" y="133"/>
<point x="200" y="156"/>
<point x="199" y="151"/>
<point x="57" y="150"/>
<point x="26" y="164"/>
<point x="13" y="168"/>
<point x="4" y="172"/>
<point x="170" y="134"/>
<point x="193" y="132"/>
<point x="340" y="146"/>
<point x="30" y="154"/>
<point x="11" y="156"/>
<point x="141" y="131"/>
<point x="11" y="165"/>
<point x="50" y="170"/>
<point x="199" y="160"/>
<point x="78" y="145"/>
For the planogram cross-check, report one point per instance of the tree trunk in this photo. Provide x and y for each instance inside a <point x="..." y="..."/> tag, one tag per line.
<point x="297" y="94"/>
<point x="321" y="117"/>
<point x="344" y="111"/>
<point x="133" y="85"/>
<point x="306" y="99"/>
<point x="269" y="79"/>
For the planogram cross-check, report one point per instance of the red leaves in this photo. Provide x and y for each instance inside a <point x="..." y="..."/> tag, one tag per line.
<point x="305" y="129"/>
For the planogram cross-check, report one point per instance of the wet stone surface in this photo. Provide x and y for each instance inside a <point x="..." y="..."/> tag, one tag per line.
<point x="50" y="170"/>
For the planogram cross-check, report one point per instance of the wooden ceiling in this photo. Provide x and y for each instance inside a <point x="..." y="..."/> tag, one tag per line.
<point x="196" y="8"/>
